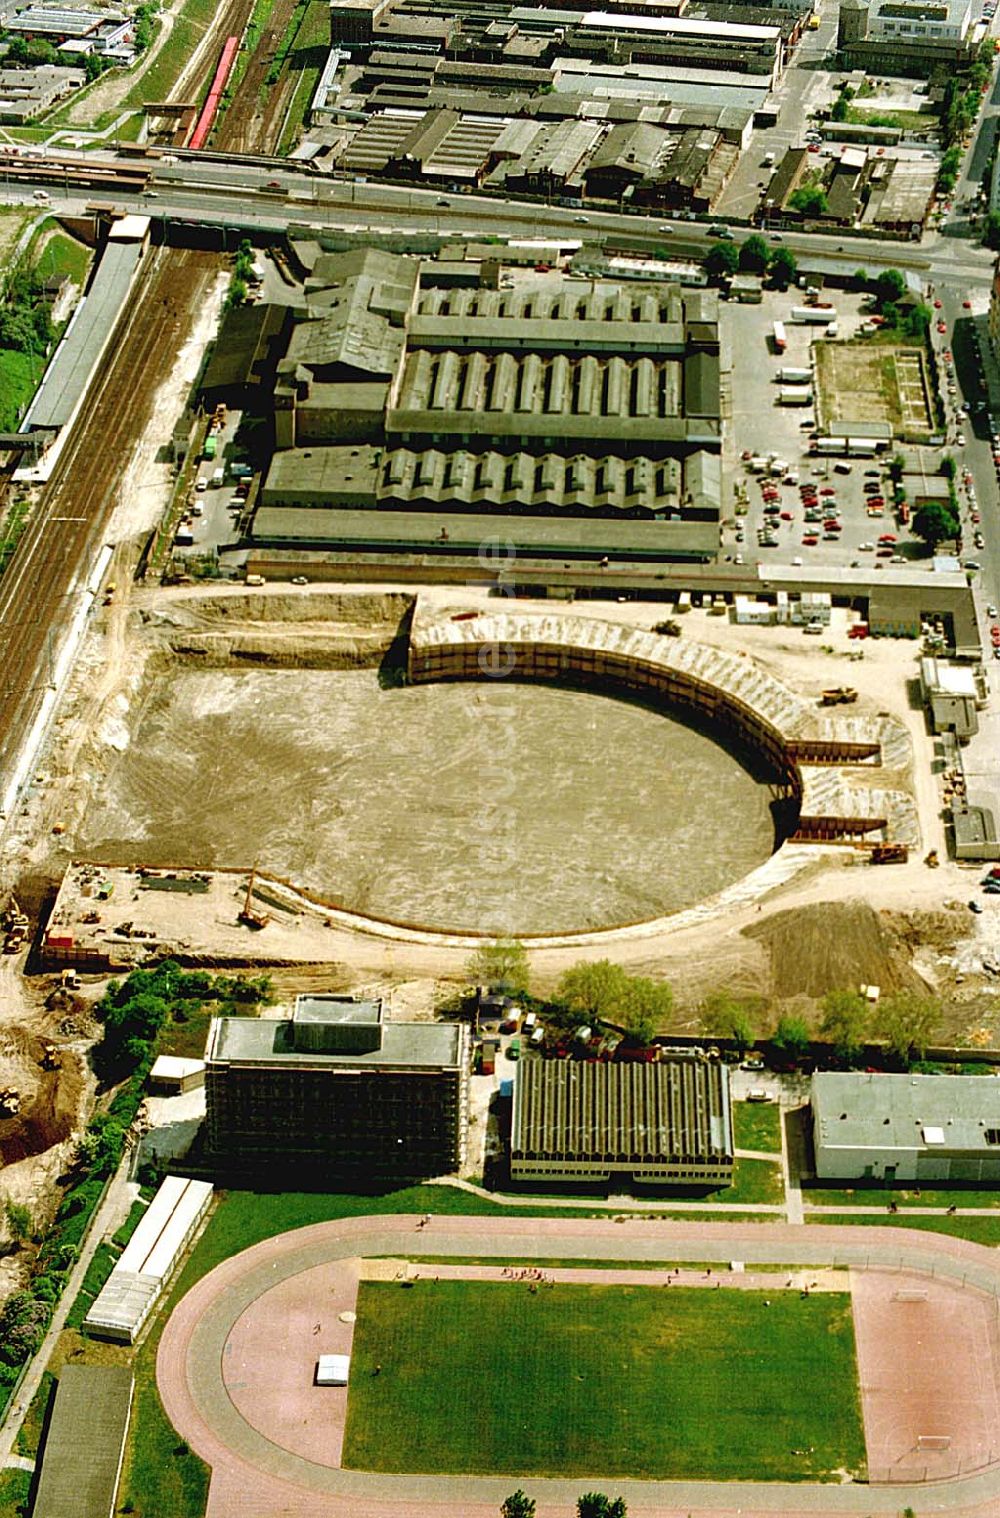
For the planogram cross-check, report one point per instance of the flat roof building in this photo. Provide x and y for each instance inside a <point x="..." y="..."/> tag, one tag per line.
<point x="903" y="1128"/>
<point x="659" y="1124"/>
<point x="337" y="1087"/>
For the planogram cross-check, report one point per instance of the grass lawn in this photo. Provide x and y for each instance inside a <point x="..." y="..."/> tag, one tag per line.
<point x="63" y="255"/>
<point x="630" y="1381"/>
<point x="753" y="1181"/>
<point x="14" y="1489"/>
<point x="98" y="1271"/>
<point x="758" y="1126"/>
<point x="878" y="1196"/>
<point x="13" y="220"/>
<point x="981" y="1230"/>
<point x="307" y="56"/>
<point x="19" y="374"/>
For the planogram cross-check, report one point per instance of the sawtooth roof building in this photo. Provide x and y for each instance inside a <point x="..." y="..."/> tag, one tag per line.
<point x="901" y="1128"/>
<point x="587" y="1122"/>
<point x="555" y="400"/>
<point x="337" y="1088"/>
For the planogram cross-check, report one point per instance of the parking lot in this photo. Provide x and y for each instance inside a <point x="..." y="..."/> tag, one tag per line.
<point x="761" y="427"/>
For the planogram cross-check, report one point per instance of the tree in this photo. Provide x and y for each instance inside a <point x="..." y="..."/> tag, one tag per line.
<point x="949" y="468"/>
<point x="517" y="1505"/>
<point x="722" y="261"/>
<point x="597" y="1505"/>
<point x="889" y="285"/>
<point x="502" y="965"/>
<point x="918" y="320"/>
<point x="19" y="1221"/>
<point x="861" y="279"/>
<point x="810" y="199"/>
<point x="791" y="1037"/>
<point x="908" y="1021"/>
<point x="724" y="1016"/>
<point x="841" y="109"/>
<point x="782" y="266"/>
<point x="935" y="522"/>
<point x="600" y="989"/>
<point x="23" y="1322"/>
<point x="753" y="254"/>
<point x="845" y="1023"/>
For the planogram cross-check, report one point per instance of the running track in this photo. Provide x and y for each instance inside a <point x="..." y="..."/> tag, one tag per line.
<point x="256" y="1477"/>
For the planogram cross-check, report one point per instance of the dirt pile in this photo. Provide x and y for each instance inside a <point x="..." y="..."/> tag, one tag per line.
<point x="47" y="1101"/>
<point x="834" y="946"/>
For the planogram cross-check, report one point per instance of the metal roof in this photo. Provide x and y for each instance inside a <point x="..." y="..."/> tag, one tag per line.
<point x="568" y="1110"/>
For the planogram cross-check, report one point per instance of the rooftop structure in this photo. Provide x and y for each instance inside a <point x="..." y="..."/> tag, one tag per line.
<point x="338" y="1087"/>
<point x="85" y="1442"/>
<point x="148" y="1259"/>
<point x="905" y="1128"/>
<point x="551" y="400"/>
<point x="26" y="93"/>
<point x="668" y="1123"/>
<point x="67" y="377"/>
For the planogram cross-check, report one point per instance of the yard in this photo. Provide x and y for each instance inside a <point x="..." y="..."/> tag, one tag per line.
<point x="629" y="1381"/>
<point x="757" y="1126"/>
<point x="873" y="382"/>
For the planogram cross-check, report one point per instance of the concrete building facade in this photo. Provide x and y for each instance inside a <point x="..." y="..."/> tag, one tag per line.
<point x="906" y="1128"/>
<point x="337" y="1088"/>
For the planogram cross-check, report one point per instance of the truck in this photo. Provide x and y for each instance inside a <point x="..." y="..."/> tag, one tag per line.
<point x="839" y="695"/>
<point x="820" y="316"/>
<point x="211" y="444"/>
<point x="779" y="337"/>
<point x="791" y="376"/>
<point x="795" y="395"/>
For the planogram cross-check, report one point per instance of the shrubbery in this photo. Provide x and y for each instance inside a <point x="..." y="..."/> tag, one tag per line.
<point x="133" y="1012"/>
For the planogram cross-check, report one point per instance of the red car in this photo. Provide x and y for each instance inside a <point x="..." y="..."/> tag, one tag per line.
<point x="941" y="327"/>
<point x="937" y="305"/>
<point x="810" y="540"/>
<point x="946" y="355"/>
<point x="883" y="553"/>
<point x="858" y="630"/>
<point x="786" y="516"/>
<point x="966" y="305"/>
<point x="814" y="147"/>
<point x="976" y="518"/>
<point x="875" y="500"/>
<point x="886" y="537"/>
<point x="828" y="490"/>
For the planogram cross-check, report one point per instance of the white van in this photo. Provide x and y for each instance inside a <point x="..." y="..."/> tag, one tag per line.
<point x="218" y="478"/>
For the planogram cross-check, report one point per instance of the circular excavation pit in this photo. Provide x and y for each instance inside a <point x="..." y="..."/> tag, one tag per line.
<point x="489" y="807"/>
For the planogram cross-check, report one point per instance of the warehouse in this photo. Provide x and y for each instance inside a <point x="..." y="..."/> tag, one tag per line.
<point x="148" y="1259"/>
<point x="339" y="1088"/>
<point x="554" y="399"/>
<point x="904" y="1128"/>
<point x="663" y="1124"/>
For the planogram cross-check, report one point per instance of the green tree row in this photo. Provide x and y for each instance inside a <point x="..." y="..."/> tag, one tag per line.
<point x="590" y="991"/>
<point x="590" y="1505"/>
<point x="905" y="1022"/>
<point x="754" y="256"/>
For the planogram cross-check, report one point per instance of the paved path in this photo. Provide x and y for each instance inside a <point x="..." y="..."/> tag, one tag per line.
<point x="255" y="1478"/>
<point x="19" y="1463"/>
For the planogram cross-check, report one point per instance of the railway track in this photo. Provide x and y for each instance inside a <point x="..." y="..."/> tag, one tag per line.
<point x="249" y="124"/>
<point x="56" y="551"/>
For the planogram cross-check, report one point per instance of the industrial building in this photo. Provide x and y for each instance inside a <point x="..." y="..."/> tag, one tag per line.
<point x="953" y="694"/>
<point x="555" y="404"/>
<point x="930" y="1129"/>
<point x="337" y="1088"/>
<point x="27" y="93"/>
<point x="863" y="185"/>
<point x="148" y="1259"/>
<point x="660" y="1124"/>
<point x="909" y="37"/>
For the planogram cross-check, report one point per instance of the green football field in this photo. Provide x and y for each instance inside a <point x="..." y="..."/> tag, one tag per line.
<point x="656" y="1382"/>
